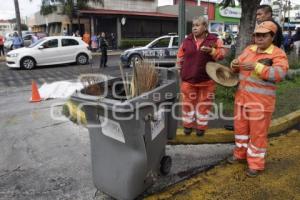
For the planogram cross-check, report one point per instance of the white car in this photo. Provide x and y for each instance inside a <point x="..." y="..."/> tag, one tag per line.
<point x="50" y="51"/>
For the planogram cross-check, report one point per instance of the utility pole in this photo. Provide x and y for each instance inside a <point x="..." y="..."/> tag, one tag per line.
<point x="18" y="18"/>
<point x="181" y="21"/>
<point x="289" y="13"/>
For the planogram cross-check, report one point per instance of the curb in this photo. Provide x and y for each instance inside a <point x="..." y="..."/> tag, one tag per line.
<point x="212" y="136"/>
<point x="109" y="53"/>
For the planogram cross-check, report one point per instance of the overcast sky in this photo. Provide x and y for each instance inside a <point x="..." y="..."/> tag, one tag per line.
<point x="7" y="9"/>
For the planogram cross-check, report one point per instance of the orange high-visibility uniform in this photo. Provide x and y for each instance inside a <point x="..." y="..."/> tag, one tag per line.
<point x="197" y="98"/>
<point x="255" y="102"/>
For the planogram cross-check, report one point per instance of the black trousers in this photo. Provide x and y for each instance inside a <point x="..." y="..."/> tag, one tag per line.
<point x="2" y="50"/>
<point x="103" y="60"/>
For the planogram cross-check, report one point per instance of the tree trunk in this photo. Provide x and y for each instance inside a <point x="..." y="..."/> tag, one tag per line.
<point x="71" y="25"/>
<point x="18" y="18"/>
<point x="247" y="24"/>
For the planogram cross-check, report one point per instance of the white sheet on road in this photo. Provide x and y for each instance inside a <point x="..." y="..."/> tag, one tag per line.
<point x="60" y="89"/>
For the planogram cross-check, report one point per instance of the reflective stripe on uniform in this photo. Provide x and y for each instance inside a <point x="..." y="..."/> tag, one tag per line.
<point x="188" y="119"/>
<point x="280" y="72"/>
<point x="259" y="81"/>
<point x="256" y="155"/>
<point x="258" y="90"/>
<point x="240" y="145"/>
<point x="271" y="74"/>
<point x="257" y="149"/>
<point x="202" y="116"/>
<point x="242" y="77"/>
<point x="191" y="113"/>
<point x="202" y="123"/>
<point x="241" y="137"/>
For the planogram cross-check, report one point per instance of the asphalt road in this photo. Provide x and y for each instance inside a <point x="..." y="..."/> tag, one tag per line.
<point x="43" y="158"/>
<point x="20" y="78"/>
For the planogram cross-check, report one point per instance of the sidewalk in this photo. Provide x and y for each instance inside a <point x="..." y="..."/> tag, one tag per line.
<point x="109" y="52"/>
<point x="2" y="58"/>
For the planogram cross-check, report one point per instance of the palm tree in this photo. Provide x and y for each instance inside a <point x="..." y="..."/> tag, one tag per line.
<point x="247" y="22"/>
<point x="18" y="18"/>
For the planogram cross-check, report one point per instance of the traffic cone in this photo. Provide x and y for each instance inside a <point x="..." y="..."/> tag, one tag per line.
<point x="35" y="96"/>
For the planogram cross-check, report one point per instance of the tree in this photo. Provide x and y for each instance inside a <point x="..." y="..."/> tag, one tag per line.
<point x="247" y="22"/>
<point x="69" y="7"/>
<point x="18" y="18"/>
<point x="24" y="27"/>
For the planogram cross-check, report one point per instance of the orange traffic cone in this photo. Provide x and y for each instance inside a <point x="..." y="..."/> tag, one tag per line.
<point x="35" y="96"/>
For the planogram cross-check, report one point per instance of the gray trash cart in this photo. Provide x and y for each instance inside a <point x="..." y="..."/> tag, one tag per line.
<point x="128" y="137"/>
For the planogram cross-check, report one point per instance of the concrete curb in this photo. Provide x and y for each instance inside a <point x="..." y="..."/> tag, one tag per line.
<point x="109" y="53"/>
<point x="2" y="59"/>
<point x="212" y="136"/>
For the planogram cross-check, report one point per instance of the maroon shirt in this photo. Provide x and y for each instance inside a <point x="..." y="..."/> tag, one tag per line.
<point x="194" y="60"/>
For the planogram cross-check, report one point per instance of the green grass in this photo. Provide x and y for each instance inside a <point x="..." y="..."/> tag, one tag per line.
<point x="287" y="100"/>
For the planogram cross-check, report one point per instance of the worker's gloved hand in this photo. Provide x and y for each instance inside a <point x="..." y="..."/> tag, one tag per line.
<point x="266" y="61"/>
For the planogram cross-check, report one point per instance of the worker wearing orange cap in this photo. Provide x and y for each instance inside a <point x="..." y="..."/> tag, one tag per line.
<point x="260" y="66"/>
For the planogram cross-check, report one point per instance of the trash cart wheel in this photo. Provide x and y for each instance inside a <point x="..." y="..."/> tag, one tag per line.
<point x="165" y="165"/>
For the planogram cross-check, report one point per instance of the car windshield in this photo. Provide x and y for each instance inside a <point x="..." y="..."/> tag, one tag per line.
<point x="36" y="43"/>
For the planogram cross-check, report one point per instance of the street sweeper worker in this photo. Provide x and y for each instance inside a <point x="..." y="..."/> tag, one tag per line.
<point x="197" y="88"/>
<point x="260" y="67"/>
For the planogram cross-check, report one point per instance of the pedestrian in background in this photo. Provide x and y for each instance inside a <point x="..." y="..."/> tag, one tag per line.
<point x="265" y="13"/>
<point x="197" y="88"/>
<point x="94" y="43"/>
<point x="34" y="38"/>
<point x="86" y="38"/>
<point x="17" y="41"/>
<point x="65" y="32"/>
<point x="260" y="66"/>
<point x="113" y="41"/>
<point x="103" y="47"/>
<point x="288" y="42"/>
<point x="296" y="40"/>
<point x="2" y="45"/>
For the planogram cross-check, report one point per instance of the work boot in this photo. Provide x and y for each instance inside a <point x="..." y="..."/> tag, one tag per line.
<point x="200" y="133"/>
<point x="252" y="173"/>
<point x="234" y="160"/>
<point x="187" y="131"/>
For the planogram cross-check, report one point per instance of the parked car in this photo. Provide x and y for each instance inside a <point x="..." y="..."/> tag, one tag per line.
<point x="162" y="51"/>
<point x="27" y="40"/>
<point x="50" y="51"/>
<point x="8" y="44"/>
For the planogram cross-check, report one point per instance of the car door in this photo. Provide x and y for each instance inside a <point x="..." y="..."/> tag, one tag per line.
<point x="171" y="54"/>
<point x="160" y="48"/>
<point x="48" y="52"/>
<point x="69" y="48"/>
<point x="27" y="40"/>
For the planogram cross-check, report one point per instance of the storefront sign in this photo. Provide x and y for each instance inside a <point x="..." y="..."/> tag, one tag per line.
<point x="230" y="12"/>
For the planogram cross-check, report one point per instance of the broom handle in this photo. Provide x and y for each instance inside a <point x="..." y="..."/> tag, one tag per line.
<point x="124" y="81"/>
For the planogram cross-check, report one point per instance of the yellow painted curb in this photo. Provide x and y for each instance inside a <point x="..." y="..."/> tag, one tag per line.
<point x="211" y="136"/>
<point x="223" y="136"/>
<point x="280" y="180"/>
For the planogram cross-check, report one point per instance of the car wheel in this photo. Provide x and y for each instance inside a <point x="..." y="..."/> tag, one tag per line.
<point x="135" y="59"/>
<point x="27" y="63"/>
<point x="82" y="59"/>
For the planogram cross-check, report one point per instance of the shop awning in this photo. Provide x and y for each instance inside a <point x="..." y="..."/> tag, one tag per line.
<point x="124" y="12"/>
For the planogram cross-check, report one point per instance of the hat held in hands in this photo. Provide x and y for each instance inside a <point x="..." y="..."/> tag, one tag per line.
<point x="221" y="74"/>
